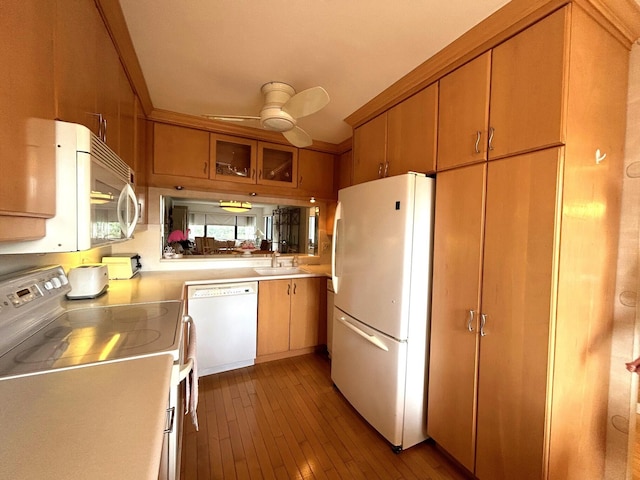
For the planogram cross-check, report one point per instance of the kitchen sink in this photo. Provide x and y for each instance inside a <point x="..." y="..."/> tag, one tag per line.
<point x="278" y="270"/>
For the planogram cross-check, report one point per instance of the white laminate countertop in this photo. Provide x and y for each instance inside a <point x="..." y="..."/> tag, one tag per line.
<point x="105" y="421"/>
<point x="160" y="286"/>
<point x="102" y="422"/>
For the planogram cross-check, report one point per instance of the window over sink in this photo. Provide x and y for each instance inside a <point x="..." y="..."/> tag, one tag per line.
<point x="199" y="226"/>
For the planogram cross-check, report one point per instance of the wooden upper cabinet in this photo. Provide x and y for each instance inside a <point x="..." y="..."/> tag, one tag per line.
<point x="179" y="151"/>
<point x="412" y="128"/>
<point x="108" y="88"/>
<point x="126" y="120"/>
<point x="277" y="165"/>
<point x="464" y="114"/>
<point x="91" y="85"/>
<point x="344" y="170"/>
<point x="76" y="75"/>
<point x="315" y="173"/>
<point x="27" y="110"/>
<point x="400" y="140"/>
<point x="528" y="76"/>
<point x="369" y="149"/>
<point x="233" y="159"/>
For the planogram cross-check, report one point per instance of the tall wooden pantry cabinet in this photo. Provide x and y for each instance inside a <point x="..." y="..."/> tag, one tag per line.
<point x="524" y="258"/>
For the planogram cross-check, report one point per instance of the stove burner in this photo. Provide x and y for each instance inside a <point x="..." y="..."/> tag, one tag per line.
<point x="85" y="347"/>
<point x="119" y="315"/>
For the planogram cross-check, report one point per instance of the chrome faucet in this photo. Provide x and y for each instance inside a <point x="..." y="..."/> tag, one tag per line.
<point x="274" y="259"/>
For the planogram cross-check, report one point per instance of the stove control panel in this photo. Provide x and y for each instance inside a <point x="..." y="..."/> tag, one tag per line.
<point x="34" y="287"/>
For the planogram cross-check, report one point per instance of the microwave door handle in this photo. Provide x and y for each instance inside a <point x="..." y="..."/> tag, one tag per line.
<point x="136" y="210"/>
<point x="125" y="194"/>
<point x="121" y="198"/>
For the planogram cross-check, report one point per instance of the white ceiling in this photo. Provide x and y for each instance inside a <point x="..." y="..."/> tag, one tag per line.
<point x="212" y="56"/>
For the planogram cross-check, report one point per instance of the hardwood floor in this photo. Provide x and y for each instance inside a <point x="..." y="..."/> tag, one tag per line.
<point x="285" y="420"/>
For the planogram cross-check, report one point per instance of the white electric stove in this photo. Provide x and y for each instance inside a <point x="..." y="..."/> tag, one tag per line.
<point x="41" y="332"/>
<point x="37" y="334"/>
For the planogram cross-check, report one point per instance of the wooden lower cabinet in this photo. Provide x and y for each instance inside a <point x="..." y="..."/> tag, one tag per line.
<point x="494" y="268"/>
<point x="289" y="313"/>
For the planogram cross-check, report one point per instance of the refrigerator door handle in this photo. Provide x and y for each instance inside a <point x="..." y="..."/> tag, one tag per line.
<point x="334" y="245"/>
<point x="370" y="338"/>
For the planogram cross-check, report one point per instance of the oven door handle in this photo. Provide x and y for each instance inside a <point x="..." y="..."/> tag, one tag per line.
<point x="184" y="370"/>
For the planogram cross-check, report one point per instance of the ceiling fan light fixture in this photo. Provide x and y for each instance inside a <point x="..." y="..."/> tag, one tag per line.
<point x="278" y="124"/>
<point x="235" y="206"/>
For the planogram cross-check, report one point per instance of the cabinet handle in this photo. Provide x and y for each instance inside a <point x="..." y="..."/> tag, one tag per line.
<point x="300" y="181"/>
<point x="478" y="135"/>
<point x="483" y="321"/>
<point x="491" y="132"/>
<point x="204" y="170"/>
<point x="472" y="314"/>
<point x="289" y="289"/>
<point x="386" y="169"/>
<point x="253" y="173"/>
<point x="260" y="174"/>
<point x="171" y="414"/>
<point x="380" y="170"/>
<point x="295" y="287"/>
<point x="104" y="130"/>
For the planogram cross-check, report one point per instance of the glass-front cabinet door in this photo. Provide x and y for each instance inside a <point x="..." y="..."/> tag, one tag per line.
<point x="232" y="159"/>
<point x="277" y="165"/>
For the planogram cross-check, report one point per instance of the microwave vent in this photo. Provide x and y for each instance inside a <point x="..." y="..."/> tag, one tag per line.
<point x="107" y="157"/>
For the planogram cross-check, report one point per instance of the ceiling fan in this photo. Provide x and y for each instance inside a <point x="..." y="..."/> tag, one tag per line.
<point x="281" y="110"/>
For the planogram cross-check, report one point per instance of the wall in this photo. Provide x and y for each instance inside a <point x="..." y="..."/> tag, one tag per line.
<point x="626" y="341"/>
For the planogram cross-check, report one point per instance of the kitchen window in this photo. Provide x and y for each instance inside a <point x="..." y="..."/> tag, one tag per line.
<point x="222" y="227"/>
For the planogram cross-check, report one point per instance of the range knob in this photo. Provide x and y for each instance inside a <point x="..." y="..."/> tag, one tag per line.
<point x="63" y="279"/>
<point x="48" y="285"/>
<point x="56" y="282"/>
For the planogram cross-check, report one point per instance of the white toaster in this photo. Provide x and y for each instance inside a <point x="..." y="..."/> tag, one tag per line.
<point x="88" y="281"/>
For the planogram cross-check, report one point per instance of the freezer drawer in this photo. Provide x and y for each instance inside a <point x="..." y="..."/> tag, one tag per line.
<point x="369" y="369"/>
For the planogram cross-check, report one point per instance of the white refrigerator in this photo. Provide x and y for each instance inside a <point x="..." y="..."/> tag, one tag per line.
<point x="381" y="274"/>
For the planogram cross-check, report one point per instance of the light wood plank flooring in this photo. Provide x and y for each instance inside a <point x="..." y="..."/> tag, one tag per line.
<point x="285" y="420"/>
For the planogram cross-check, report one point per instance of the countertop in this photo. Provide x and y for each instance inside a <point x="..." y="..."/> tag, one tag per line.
<point x="169" y="285"/>
<point x="103" y="422"/>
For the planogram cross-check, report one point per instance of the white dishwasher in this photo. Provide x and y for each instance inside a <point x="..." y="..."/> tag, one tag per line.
<point x="226" y="318"/>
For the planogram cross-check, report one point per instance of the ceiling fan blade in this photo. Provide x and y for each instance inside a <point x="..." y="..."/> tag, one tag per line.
<point x="306" y="102"/>
<point x="298" y="137"/>
<point x="231" y="118"/>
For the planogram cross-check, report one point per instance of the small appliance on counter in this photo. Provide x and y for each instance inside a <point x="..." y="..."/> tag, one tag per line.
<point x="122" y="266"/>
<point x="88" y="281"/>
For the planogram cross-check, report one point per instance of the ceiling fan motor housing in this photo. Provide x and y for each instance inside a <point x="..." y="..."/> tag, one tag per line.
<point x="272" y="117"/>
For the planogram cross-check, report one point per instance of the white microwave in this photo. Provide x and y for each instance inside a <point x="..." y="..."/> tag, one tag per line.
<point x="95" y="201"/>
